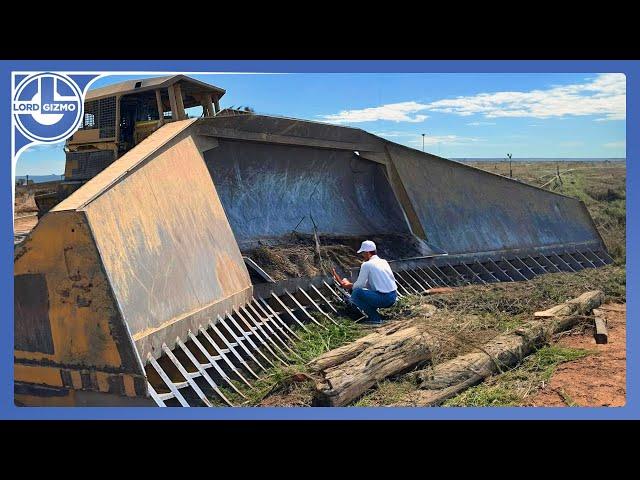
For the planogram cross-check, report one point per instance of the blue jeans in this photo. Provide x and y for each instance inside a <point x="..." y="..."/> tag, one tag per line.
<point x="369" y="301"/>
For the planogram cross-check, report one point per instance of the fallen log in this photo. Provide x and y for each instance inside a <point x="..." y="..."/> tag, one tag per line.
<point x="576" y="306"/>
<point x="347" y="372"/>
<point x="450" y="378"/>
<point x="601" y="333"/>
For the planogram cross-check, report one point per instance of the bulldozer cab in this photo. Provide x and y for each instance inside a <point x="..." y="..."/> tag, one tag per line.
<point x="118" y="117"/>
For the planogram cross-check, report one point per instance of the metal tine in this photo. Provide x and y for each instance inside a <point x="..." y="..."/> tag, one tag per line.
<point x="526" y="266"/>
<point x="555" y="267"/>
<point x="341" y="300"/>
<point x="183" y="371"/>
<point x="406" y="284"/>
<point x="228" y="345"/>
<point x="434" y="279"/>
<point x="595" y="255"/>
<point x="464" y="280"/>
<point x="401" y="284"/>
<point x="544" y="270"/>
<point x="273" y="319"/>
<point x="561" y="260"/>
<point x="323" y="298"/>
<point x="317" y="306"/>
<point x="514" y="268"/>
<point x="202" y="371"/>
<point x="441" y="275"/>
<point x="472" y="272"/>
<point x="309" y="316"/>
<point x="263" y="337"/>
<point x="607" y="256"/>
<point x="154" y="395"/>
<point x="270" y="338"/>
<point x="573" y="262"/>
<point x="487" y="270"/>
<point x="289" y="312"/>
<point x="501" y="270"/>
<point x="422" y="277"/>
<point x="275" y="315"/>
<point x="165" y="378"/>
<point x="215" y="365"/>
<point x="247" y="337"/>
<point x="407" y="278"/>
<point x="577" y="252"/>
<point x="413" y="277"/>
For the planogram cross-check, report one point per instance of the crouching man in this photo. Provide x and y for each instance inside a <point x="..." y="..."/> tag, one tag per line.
<point x="375" y="287"/>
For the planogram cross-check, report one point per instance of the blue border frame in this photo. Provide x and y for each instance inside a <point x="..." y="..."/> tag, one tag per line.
<point x="632" y="409"/>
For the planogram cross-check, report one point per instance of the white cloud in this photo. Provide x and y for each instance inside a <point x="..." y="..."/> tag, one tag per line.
<point x="621" y="144"/>
<point x="444" y="140"/>
<point x="603" y="95"/>
<point x="480" y="124"/>
<point x="395" y="112"/>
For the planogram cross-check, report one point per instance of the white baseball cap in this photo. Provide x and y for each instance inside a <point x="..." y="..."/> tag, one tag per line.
<point x="367" y="246"/>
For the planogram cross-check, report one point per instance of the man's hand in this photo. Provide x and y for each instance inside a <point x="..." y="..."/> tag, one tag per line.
<point x="342" y="281"/>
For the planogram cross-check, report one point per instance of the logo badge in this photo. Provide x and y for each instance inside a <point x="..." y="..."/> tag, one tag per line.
<point x="47" y="107"/>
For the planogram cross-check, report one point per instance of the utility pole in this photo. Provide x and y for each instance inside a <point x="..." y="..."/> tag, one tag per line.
<point x="423" y="141"/>
<point x="510" y="169"/>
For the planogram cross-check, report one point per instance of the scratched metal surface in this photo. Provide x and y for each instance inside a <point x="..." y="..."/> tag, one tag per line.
<point x="167" y="247"/>
<point x="267" y="190"/>
<point x="463" y="209"/>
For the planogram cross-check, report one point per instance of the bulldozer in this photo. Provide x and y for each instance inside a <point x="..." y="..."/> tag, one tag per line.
<point x="138" y="289"/>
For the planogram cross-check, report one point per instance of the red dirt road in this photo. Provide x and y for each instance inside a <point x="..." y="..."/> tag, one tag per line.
<point x="594" y="381"/>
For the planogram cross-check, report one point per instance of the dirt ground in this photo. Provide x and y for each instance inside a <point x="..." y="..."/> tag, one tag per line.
<point x="596" y="380"/>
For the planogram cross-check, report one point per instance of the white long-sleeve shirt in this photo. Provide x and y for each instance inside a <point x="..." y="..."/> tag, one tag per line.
<point x="375" y="274"/>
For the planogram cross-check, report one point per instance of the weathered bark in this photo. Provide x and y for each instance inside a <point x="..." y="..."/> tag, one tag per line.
<point x="450" y="378"/>
<point x="601" y="334"/>
<point x="576" y="306"/>
<point x="346" y="373"/>
<point x="355" y="348"/>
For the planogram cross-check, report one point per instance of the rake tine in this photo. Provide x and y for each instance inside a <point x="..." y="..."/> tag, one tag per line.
<point x="555" y="267"/>
<point x="401" y="275"/>
<point x="165" y="378"/>
<point x="277" y="316"/>
<point x="573" y="262"/>
<point x="419" y="280"/>
<point x="267" y="340"/>
<point x="154" y="395"/>
<point x="514" y="269"/>
<point x="289" y="312"/>
<point x="270" y="338"/>
<point x="544" y="270"/>
<point x="183" y="371"/>
<point x="408" y="278"/>
<point x="597" y="256"/>
<point x="441" y="274"/>
<point x="468" y="282"/>
<point x="526" y="266"/>
<point x="561" y="260"/>
<point x="341" y="300"/>
<point x="323" y="298"/>
<point x="247" y="337"/>
<point x="268" y="319"/>
<point x="414" y="280"/>
<point x="317" y="306"/>
<point x="228" y="345"/>
<point x="202" y="371"/>
<point x="501" y="270"/>
<point x="215" y="365"/>
<point x="397" y="276"/>
<point x="421" y="277"/>
<point x="585" y="257"/>
<point x="435" y="280"/>
<point x="487" y="271"/>
<point x="309" y="316"/>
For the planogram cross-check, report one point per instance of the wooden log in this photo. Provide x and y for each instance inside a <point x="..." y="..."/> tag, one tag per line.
<point x="450" y="378"/>
<point x="576" y="306"/>
<point x="601" y="334"/>
<point x="375" y="358"/>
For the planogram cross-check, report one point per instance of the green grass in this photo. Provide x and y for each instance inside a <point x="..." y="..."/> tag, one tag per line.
<point x="512" y="388"/>
<point x="314" y="342"/>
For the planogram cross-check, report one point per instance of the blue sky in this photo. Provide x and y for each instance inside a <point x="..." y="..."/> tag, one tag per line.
<point x="462" y="115"/>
